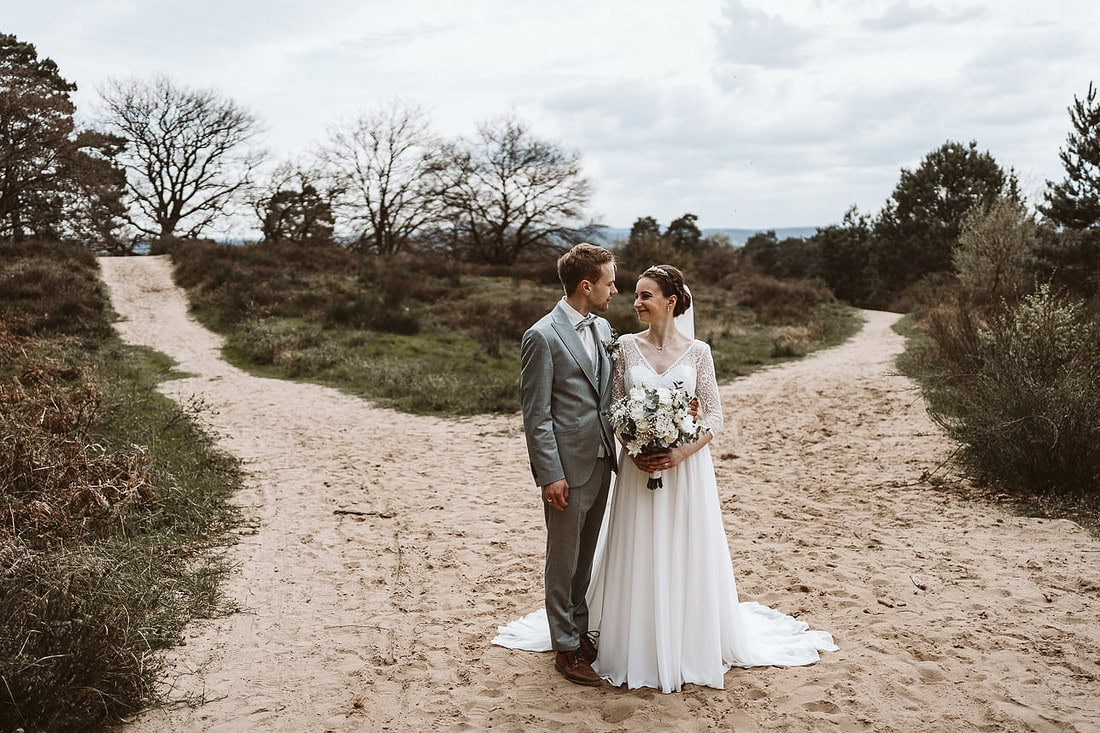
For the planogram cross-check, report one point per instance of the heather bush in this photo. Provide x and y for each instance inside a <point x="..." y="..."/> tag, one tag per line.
<point x="52" y="289"/>
<point x="349" y="310"/>
<point x="111" y="497"/>
<point x="262" y="340"/>
<point x="497" y="325"/>
<point x="780" y="302"/>
<point x="790" y="341"/>
<point x="422" y="333"/>
<point x="51" y="470"/>
<point x="297" y="349"/>
<point x="926" y="294"/>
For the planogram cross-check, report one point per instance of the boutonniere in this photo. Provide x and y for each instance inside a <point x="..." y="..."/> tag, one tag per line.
<point x="612" y="345"/>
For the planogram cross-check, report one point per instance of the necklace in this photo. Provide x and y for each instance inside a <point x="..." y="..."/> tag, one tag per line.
<point x="654" y="343"/>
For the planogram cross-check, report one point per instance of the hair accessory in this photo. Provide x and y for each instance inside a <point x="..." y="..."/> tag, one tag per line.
<point x="658" y="268"/>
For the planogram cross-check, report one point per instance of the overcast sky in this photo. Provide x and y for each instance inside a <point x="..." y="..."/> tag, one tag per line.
<point x="748" y="113"/>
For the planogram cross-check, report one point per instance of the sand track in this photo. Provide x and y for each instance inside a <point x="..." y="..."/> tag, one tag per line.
<point x="381" y="620"/>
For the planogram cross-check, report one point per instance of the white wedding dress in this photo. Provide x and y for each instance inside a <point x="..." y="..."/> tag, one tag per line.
<point x="663" y="595"/>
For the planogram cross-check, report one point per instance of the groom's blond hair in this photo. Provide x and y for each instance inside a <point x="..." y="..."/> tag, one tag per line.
<point x="582" y="262"/>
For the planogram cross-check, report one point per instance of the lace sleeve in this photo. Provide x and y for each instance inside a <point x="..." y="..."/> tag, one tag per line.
<point x="706" y="385"/>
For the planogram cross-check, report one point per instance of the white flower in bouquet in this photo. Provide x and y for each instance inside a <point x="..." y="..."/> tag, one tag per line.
<point x="666" y="427"/>
<point x="652" y="420"/>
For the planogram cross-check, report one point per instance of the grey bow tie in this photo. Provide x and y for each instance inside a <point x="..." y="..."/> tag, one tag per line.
<point x="586" y="321"/>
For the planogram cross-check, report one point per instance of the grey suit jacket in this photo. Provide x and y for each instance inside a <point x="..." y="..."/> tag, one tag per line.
<point x="564" y="400"/>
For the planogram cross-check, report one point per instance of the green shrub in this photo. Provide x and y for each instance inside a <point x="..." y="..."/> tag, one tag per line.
<point x="1021" y="392"/>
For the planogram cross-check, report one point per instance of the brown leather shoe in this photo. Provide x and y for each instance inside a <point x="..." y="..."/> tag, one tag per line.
<point x="588" y="650"/>
<point x="575" y="669"/>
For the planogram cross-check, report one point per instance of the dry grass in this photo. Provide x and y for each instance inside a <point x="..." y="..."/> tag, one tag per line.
<point x="111" y="499"/>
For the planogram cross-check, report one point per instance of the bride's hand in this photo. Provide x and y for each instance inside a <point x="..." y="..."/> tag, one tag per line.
<point x="676" y="456"/>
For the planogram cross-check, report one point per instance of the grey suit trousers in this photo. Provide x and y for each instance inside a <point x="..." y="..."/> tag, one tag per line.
<point x="570" y="543"/>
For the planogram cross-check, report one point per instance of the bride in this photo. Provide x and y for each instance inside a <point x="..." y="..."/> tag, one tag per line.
<point x="663" y="595"/>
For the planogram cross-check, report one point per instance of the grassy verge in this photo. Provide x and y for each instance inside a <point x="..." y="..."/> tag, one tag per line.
<point x="426" y="335"/>
<point x="115" y="503"/>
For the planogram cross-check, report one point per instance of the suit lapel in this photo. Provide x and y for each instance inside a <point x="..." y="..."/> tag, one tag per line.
<point x="572" y="340"/>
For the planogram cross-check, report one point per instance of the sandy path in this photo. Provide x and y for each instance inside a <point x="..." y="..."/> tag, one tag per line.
<point x="381" y="621"/>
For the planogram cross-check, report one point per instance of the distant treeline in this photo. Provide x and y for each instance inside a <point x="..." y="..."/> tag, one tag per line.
<point x="737" y="237"/>
<point x="164" y="161"/>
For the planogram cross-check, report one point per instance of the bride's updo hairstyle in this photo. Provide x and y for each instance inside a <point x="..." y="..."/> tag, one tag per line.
<point x="671" y="282"/>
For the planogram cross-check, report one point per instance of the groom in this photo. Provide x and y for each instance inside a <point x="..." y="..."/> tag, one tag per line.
<point x="565" y="384"/>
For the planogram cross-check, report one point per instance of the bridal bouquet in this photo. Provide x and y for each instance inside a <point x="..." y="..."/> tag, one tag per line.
<point x="652" y="420"/>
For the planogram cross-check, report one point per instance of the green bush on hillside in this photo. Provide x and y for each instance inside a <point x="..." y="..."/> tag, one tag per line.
<point x="421" y="332"/>
<point x="780" y="302"/>
<point x="1021" y="392"/>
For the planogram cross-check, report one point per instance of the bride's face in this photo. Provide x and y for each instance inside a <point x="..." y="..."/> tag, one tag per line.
<point x="649" y="302"/>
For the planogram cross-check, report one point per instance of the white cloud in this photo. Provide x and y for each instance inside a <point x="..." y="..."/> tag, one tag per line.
<point x="757" y="113"/>
<point x="751" y="37"/>
<point x="904" y="14"/>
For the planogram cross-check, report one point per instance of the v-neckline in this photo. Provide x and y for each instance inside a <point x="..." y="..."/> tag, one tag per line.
<point x="653" y="369"/>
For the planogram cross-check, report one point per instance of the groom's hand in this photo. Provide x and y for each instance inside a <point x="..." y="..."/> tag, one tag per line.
<point x="651" y="462"/>
<point x="556" y="494"/>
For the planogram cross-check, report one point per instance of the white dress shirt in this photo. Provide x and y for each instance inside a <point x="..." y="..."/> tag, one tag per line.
<point x="587" y="335"/>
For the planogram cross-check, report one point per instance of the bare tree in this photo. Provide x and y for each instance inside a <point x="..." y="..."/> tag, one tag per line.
<point x="380" y="162"/>
<point x="188" y="155"/>
<point x="507" y="192"/>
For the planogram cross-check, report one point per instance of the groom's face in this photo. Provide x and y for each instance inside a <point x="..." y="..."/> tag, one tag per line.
<point x="601" y="291"/>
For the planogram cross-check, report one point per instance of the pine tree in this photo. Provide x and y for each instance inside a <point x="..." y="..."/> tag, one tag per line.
<point x="684" y="235"/>
<point x="55" y="182"/>
<point x="1075" y="202"/>
<point x="920" y="224"/>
